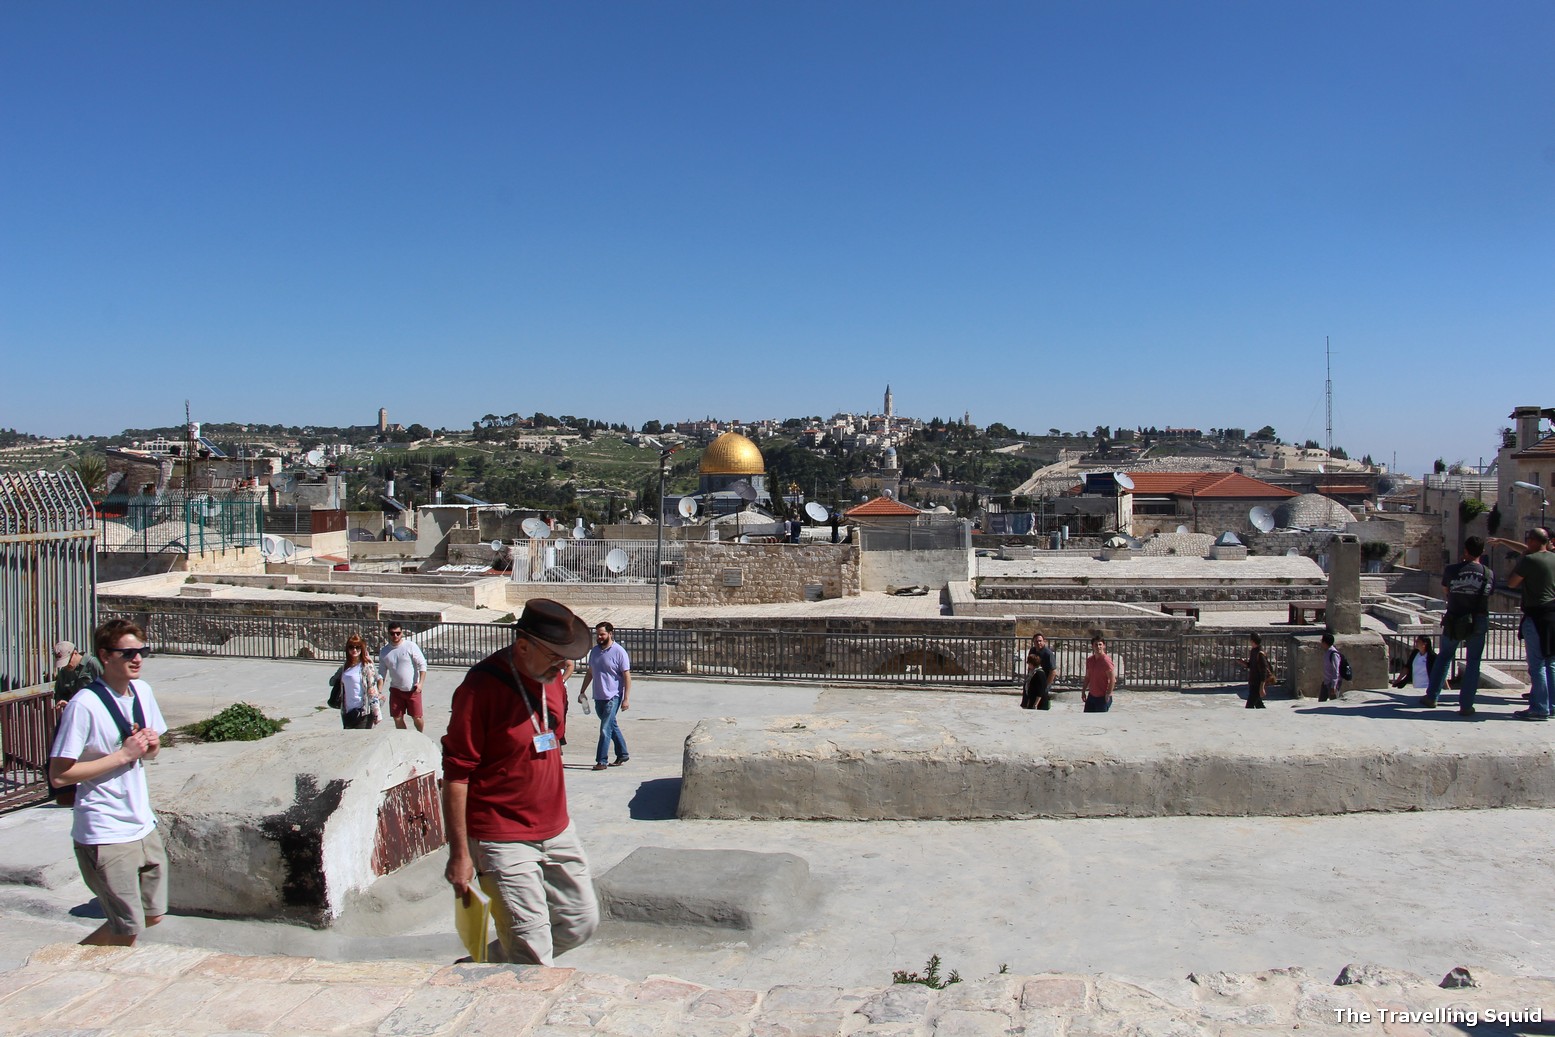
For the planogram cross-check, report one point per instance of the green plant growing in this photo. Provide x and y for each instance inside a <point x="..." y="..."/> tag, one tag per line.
<point x="239" y="722"/>
<point x="930" y="976"/>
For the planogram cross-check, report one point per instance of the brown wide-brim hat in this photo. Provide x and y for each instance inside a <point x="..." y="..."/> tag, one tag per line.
<point x="554" y="624"/>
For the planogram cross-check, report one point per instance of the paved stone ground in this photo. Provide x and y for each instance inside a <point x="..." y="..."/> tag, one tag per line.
<point x="85" y="992"/>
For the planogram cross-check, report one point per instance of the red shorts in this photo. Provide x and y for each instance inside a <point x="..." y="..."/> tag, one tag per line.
<point x="402" y="702"/>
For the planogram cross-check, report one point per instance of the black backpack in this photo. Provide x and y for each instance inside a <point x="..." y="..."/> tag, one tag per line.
<point x="57" y="792"/>
<point x="1345" y="672"/>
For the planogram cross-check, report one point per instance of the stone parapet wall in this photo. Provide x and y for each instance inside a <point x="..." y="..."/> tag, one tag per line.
<point x="755" y="574"/>
<point x="233" y="560"/>
<point x="887" y="570"/>
<point x="991" y="589"/>
<point x="582" y="596"/>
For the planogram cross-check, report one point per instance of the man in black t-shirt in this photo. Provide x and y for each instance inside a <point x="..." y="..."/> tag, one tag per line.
<point x="1041" y="672"/>
<point x="1467" y="585"/>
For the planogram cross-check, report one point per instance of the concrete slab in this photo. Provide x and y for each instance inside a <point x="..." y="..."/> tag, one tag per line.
<point x="910" y="765"/>
<point x="757" y="894"/>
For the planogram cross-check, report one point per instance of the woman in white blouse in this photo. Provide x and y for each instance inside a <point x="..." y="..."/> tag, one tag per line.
<point x="358" y="686"/>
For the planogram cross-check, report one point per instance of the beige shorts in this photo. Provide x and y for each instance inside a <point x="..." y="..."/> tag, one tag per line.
<point x="130" y="880"/>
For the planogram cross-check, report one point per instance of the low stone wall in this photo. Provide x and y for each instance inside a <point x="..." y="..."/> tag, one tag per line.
<point x="194" y="608"/>
<point x="754" y="574"/>
<point x="913" y="766"/>
<point x="234" y="560"/>
<point x="993" y="588"/>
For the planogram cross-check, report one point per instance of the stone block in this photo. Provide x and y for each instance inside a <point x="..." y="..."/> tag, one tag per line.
<point x="912" y="766"/>
<point x="1367" y="654"/>
<point x="741" y="890"/>
<point x="290" y="828"/>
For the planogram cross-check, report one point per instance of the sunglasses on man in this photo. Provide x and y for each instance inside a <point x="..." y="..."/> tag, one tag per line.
<point x="144" y="652"/>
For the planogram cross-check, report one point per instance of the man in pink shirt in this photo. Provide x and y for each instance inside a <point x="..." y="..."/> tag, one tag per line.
<point x="1100" y="677"/>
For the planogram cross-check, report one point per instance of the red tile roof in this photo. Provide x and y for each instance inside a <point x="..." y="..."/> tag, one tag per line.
<point x="881" y="506"/>
<point x="1228" y="485"/>
<point x="1542" y="449"/>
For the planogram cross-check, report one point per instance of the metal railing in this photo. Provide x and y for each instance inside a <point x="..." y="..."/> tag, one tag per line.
<point x="1502" y="645"/>
<point x="48" y="572"/>
<point x="563" y="560"/>
<point x="26" y="733"/>
<point x="928" y="660"/>
<point x="192" y="525"/>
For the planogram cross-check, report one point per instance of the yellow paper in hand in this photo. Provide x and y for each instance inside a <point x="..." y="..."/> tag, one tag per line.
<point x="472" y="923"/>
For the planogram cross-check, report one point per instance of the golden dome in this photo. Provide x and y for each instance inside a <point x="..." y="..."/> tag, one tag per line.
<point x="732" y="454"/>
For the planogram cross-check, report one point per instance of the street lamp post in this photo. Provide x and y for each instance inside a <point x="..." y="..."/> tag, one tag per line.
<point x="658" y="552"/>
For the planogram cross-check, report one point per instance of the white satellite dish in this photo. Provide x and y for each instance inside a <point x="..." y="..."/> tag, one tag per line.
<point x="744" y="490"/>
<point x="1123" y="480"/>
<point x="1291" y="552"/>
<point x="616" y="561"/>
<point x="817" y="511"/>
<point x="496" y="545"/>
<point x="1261" y="518"/>
<point x="577" y="530"/>
<point x="687" y="507"/>
<point x="1182" y="529"/>
<point x="535" y="529"/>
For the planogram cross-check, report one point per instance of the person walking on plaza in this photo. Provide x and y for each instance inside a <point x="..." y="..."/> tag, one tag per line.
<point x="504" y="793"/>
<point x="358" y="687"/>
<point x="1259" y="672"/>
<point x="1534" y="578"/>
<point x="1101" y="675"/>
<point x="610" y="672"/>
<point x="404" y="668"/>
<point x="1333" y="667"/>
<point x="1041" y="672"/>
<point x="108" y="729"/>
<point x="1468" y="585"/>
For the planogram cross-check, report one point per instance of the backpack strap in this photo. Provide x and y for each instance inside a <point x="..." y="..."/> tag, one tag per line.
<point x="105" y="696"/>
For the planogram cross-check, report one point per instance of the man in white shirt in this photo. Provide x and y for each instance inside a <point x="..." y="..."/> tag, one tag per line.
<point x="118" y="846"/>
<point x="402" y="666"/>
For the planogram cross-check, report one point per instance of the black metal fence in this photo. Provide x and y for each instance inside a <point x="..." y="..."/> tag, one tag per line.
<point x="920" y="660"/>
<point x="1502" y="643"/>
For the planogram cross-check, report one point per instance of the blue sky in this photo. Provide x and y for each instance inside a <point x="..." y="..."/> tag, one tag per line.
<point x="1047" y="214"/>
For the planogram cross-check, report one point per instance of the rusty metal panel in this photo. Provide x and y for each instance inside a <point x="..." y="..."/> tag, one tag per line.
<point x="410" y="824"/>
<point x="26" y="731"/>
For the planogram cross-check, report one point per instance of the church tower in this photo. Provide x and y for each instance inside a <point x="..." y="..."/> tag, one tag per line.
<point x="889" y="409"/>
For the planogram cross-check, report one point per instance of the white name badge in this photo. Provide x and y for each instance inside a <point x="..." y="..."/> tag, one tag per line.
<point x="545" y="742"/>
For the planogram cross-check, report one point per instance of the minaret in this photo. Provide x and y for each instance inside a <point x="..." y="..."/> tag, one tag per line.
<point x="383" y="419"/>
<point x="888" y="402"/>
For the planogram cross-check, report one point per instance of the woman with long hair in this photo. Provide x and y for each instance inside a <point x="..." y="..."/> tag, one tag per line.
<point x="358" y="686"/>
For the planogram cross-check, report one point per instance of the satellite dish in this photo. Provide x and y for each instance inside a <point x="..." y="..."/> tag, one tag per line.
<point x="1291" y="552"/>
<point x="817" y="511"/>
<point x="535" y="529"/>
<point x="744" y="490"/>
<point x="1123" y="480"/>
<point x="1183" y="529"/>
<point x="888" y="494"/>
<point x="496" y="545"/>
<point x="687" y="507"/>
<point x="1261" y="518"/>
<point x="402" y="534"/>
<point x="577" y="530"/>
<point x="616" y="561"/>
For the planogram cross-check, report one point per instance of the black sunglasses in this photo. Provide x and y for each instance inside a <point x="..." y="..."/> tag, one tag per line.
<point x="143" y="651"/>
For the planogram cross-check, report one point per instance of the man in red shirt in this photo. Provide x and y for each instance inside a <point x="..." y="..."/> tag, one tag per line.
<point x="504" y="801"/>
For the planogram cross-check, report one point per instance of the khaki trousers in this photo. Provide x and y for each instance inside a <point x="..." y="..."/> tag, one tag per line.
<point x="542" y="898"/>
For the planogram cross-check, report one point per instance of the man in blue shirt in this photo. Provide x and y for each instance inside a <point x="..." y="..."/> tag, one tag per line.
<point x="610" y="672"/>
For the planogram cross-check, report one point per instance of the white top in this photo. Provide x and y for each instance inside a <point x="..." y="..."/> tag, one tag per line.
<point x="351" y="682"/>
<point x="1422" y="672"/>
<point x="115" y="808"/>
<point x="400" y="663"/>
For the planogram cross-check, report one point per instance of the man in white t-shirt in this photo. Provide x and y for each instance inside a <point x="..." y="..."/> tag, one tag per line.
<point x="404" y="669"/>
<point x="118" y="846"/>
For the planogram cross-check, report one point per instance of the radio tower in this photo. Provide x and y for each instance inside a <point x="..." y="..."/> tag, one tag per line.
<point x="1328" y="393"/>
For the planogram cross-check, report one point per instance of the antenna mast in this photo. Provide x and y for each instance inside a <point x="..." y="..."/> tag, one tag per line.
<point x="1328" y="393"/>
